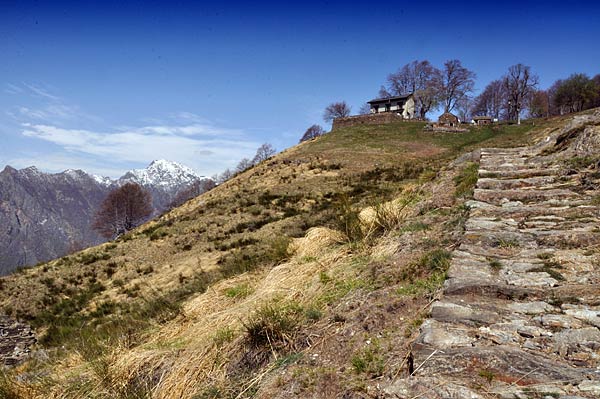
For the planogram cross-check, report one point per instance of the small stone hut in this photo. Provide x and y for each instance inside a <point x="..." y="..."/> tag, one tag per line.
<point x="482" y="120"/>
<point x="448" y="119"/>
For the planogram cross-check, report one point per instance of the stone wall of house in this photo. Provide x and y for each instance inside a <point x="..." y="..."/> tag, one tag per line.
<point x="369" y="119"/>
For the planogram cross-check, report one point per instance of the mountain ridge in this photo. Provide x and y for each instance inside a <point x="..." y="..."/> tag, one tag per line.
<point x="66" y="203"/>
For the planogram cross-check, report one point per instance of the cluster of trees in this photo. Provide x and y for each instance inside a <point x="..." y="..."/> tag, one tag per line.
<point x="264" y="152"/>
<point x="312" y="132"/>
<point x="450" y="89"/>
<point x="509" y="97"/>
<point x="334" y="110"/>
<point x="576" y="93"/>
<point x="447" y="88"/>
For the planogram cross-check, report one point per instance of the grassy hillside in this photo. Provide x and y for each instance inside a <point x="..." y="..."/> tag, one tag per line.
<point x="305" y="274"/>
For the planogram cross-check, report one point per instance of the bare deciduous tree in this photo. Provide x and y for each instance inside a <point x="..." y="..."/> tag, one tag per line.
<point x="463" y="108"/>
<point x="312" y="132"/>
<point x="539" y="104"/>
<point x="454" y="83"/>
<point x="123" y="209"/>
<point x="244" y="164"/>
<point x="365" y="109"/>
<point x="418" y="78"/>
<point x="336" y="110"/>
<point x="195" y="189"/>
<point x="519" y="82"/>
<point x="224" y="176"/>
<point x="491" y="101"/>
<point x="383" y="92"/>
<point x="553" y="108"/>
<point x="263" y="153"/>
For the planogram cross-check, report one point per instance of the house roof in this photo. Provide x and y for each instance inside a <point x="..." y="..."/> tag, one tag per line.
<point x="386" y="99"/>
<point x="481" y="117"/>
<point x="447" y="115"/>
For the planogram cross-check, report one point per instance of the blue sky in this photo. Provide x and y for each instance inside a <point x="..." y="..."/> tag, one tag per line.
<point x="106" y="87"/>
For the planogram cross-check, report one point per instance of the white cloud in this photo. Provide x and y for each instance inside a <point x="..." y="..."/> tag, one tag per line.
<point x="182" y="136"/>
<point x="206" y="148"/>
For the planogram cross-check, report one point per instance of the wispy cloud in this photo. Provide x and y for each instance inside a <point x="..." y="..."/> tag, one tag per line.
<point x="12" y="89"/>
<point x="43" y="105"/>
<point x="41" y="92"/>
<point x="206" y="148"/>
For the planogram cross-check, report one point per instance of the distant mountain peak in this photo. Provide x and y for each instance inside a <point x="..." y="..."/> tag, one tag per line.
<point x="103" y="180"/>
<point x="162" y="173"/>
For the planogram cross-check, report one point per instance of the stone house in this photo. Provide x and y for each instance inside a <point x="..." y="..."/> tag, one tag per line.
<point x="448" y="119"/>
<point x="482" y="120"/>
<point x="401" y="105"/>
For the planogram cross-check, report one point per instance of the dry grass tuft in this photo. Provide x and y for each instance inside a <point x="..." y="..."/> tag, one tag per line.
<point x="315" y="240"/>
<point x="389" y="215"/>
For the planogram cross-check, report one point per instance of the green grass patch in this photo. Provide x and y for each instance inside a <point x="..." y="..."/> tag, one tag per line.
<point x="369" y="360"/>
<point x="466" y="180"/>
<point x="507" y="243"/>
<point x="222" y="336"/>
<point x="239" y="291"/>
<point x="495" y="264"/>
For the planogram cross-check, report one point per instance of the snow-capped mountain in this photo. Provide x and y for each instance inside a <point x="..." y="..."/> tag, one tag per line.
<point x="162" y="173"/>
<point x="46" y="215"/>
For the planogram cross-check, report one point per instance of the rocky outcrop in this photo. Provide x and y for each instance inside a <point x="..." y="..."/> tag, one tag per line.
<point x="520" y="312"/>
<point x="15" y="341"/>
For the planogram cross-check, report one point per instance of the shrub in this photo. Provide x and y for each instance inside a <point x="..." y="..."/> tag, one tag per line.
<point x="348" y="221"/>
<point x="278" y="249"/>
<point x="92" y="257"/>
<point x="368" y="360"/>
<point x="157" y="235"/>
<point x="222" y="336"/>
<point x="466" y="180"/>
<point x="273" y="325"/>
<point x="495" y="264"/>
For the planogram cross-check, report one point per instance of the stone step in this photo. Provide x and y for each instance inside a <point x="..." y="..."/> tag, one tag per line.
<point x="580" y="212"/>
<point x="544" y="182"/>
<point x="514" y="173"/>
<point x="499" y="197"/>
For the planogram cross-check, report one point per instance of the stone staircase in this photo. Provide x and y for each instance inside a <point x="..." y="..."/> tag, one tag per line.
<point x="520" y="312"/>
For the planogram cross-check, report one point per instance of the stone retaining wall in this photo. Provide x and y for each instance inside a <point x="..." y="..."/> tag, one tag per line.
<point x="369" y="119"/>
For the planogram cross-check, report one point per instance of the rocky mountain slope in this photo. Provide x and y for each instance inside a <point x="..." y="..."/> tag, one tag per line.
<point x="44" y="216"/>
<point x="320" y="273"/>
